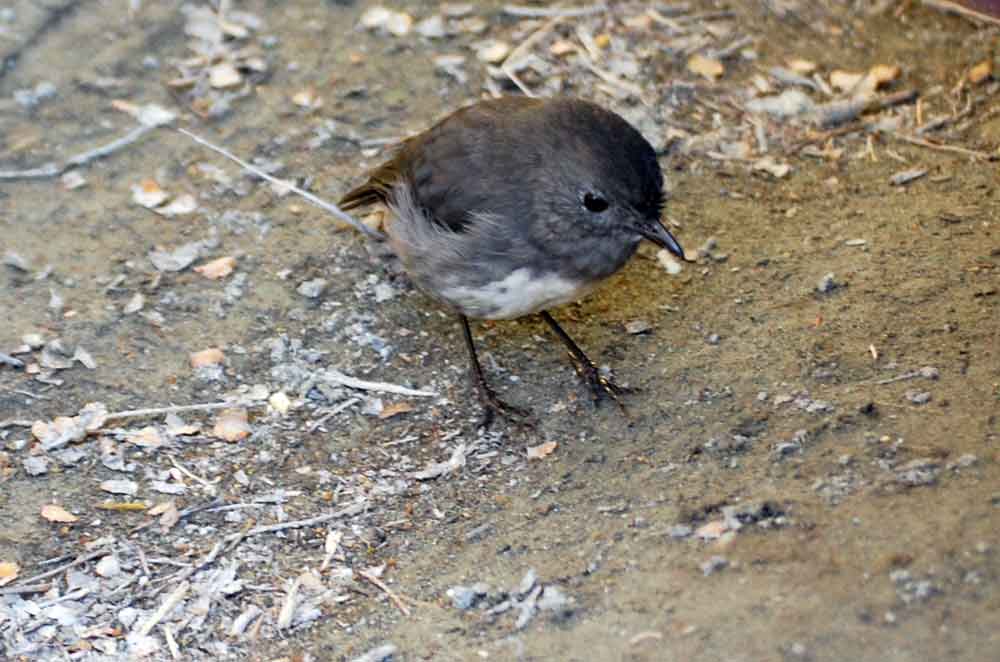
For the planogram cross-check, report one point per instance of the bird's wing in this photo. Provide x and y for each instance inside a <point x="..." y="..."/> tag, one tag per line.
<point x="458" y="168"/>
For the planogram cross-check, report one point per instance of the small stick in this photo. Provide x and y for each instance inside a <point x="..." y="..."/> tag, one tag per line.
<point x="913" y="374"/>
<point x="157" y="411"/>
<point x="388" y="591"/>
<point x="15" y="422"/>
<point x="204" y="482"/>
<point x="77" y="561"/>
<point x="353" y="509"/>
<point x="54" y="170"/>
<point x="187" y="512"/>
<point x="519" y="51"/>
<point x="381" y="387"/>
<point x="611" y="79"/>
<point x="954" y="7"/>
<point x="322" y="204"/>
<point x="944" y="148"/>
<point x="333" y="412"/>
<point x="168" y="635"/>
<point x="29" y="588"/>
<point x="522" y="11"/>
<point x="171" y="601"/>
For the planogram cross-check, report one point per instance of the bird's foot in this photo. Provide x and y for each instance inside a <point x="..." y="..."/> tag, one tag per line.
<point x="494" y="406"/>
<point x="601" y="386"/>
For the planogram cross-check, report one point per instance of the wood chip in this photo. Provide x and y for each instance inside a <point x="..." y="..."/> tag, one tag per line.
<point x="148" y="194"/>
<point x="801" y="66"/>
<point x="8" y="572"/>
<point x="883" y="74"/>
<point x="981" y="72"/>
<point x="54" y="513"/>
<point x="224" y="75"/>
<point x="845" y="80"/>
<point x="218" y="268"/>
<point x="210" y="356"/>
<point x="541" y="451"/>
<point x="395" y="409"/>
<point x="706" y="67"/>
<point x="232" y="425"/>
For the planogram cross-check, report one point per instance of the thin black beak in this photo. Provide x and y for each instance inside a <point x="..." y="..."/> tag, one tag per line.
<point x="659" y="235"/>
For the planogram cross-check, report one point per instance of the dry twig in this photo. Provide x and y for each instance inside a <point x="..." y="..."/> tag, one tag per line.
<point x="322" y="204"/>
<point x="396" y="600"/>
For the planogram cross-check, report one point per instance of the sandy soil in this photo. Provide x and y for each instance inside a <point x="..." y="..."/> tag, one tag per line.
<point x="869" y="513"/>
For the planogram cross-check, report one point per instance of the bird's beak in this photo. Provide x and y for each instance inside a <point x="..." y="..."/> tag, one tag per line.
<point x="659" y="235"/>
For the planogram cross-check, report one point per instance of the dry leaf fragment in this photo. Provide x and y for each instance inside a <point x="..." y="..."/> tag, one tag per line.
<point x="181" y="205"/>
<point x="134" y="304"/>
<point x="492" y="51"/>
<point x="232" y="425"/>
<point x="393" y="22"/>
<point x="395" y="409"/>
<point x="883" y="74"/>
<point x="169" y="517"/>
<point x="802" y="66"/>
<point x="147" y="437"/>
<point x="541" y="450"/>
<point x="54" y="513"/>
<point x="126" y="487"/>
<point x="224" y="75"/>
<point x="219" y="268"/>
<point x="308" y="99"/>
<point x="148" y="194"/>
<point x="562" y="47"/>
<point x="706" y="67"/>
<point x="8" y="572"/>
<point x="177" y="427"/>
<point x="210" y="356"/>
<point x="161" y="508"/>
<point x="711" y="530"/>
<point x="280" y="402"/>
<point x="73" y="180"/>
<point x="845" y="80"/>
<point x="980" y="72"/>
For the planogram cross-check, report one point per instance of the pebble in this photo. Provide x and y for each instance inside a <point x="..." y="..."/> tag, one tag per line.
<point x="431" y="27"/>
<point x="463" y="597"/>
<point x="922" y="471"/>
<point x="827" y="283"/>
<point x="553" y="599"/>
<point x="36" y="465"/>
<point x="636" y="327"/>
<point x="906" y="176"/>
<point x="918" y="397"/>
<point x="929" y="372"/>
<point x="713" y="565"/>
<point x="668" y="262"/>
<point x="680" y="531"/>
<point x="492" y="51"/>
<point x="383" y="653"/>
<point x="312" y="289"/>
<point x="108" y="566"/>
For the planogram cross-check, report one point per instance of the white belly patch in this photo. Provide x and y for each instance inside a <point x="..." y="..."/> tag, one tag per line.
<point x="519" y="294"/>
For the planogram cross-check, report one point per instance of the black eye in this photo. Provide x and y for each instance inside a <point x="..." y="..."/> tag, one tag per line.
<point x="594" y="203"/>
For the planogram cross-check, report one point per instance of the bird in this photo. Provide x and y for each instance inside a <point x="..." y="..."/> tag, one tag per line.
<point x="511" y="206"/>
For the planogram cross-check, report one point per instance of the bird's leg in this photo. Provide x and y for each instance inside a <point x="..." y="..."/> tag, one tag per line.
<point x="600" y="385"/>
<point x="492" y="404"/>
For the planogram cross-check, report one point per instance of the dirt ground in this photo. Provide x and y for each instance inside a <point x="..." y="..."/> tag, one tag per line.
<point x="807" y="475"/>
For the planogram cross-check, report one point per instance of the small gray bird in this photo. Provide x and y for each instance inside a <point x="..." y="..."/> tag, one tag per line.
<point x="514" y="205"/>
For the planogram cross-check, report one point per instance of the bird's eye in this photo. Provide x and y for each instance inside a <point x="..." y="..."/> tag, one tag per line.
<point x="594" y="203"/>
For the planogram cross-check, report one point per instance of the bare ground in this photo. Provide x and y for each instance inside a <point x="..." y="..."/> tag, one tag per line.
<point x="869" y="516"/>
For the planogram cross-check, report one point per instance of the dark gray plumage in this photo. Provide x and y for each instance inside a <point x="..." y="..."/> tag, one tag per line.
<point x="513" y="205"/>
